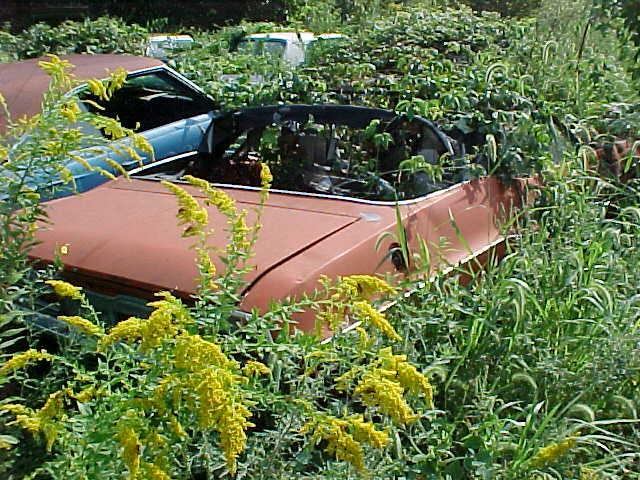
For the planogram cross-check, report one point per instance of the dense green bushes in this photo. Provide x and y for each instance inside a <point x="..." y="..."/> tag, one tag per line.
<point x="102" y="35"/>
<point x="533" y="366"/>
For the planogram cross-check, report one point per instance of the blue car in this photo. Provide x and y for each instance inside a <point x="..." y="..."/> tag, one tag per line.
<point x="170" y="111"/>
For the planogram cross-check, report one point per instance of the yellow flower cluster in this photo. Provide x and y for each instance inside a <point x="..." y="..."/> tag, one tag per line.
<point x="126" y="331"/>
<point x="376" y="390"/>
<point x="190" y="213"/>
<point x="131" y="450"/>
<point x="58" y="70"/>
<point x="176" y="427"/>
<point x="21" y="359"/>
<point x="406" y="373"/>
<point x="141" y="143"/>
<point x="154" y="472"/>
<point x="65" y="289"/>
<point x="70" y="110"/>
<point x="4" y="445"/>
<point x="344" y="437"/>
<point x="553" y="452"/>
<point x="365" y="312"/>
<point x="363" y="338"/>
<point x="239" y="234"/>
<point x="346" y="291"/>
<point x="117" y="79"/>
<point x="193" y="353"/>
<point x="205" y="263"/>
<point x="220" y="408"/>
<point x="97" y="88"/>
<point x="384" y="382"/>
<point x="81" y="324"/>
<point x="40" y="421"/>
<point x="266" y="178"/>
<point x="215" y="197"/>
<point x="205" y="380"/>
<point x="253" y="368"/>
<point x="166" y="321"/>
<point x="87" y="394"/>
<point x="25" y="417"/>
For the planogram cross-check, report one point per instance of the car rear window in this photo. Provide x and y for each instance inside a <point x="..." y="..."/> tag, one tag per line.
<point x="259" y="46"/>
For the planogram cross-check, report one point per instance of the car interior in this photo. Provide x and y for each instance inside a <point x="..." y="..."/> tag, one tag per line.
<point x="336" y="150"/>
<point x="150" y="100"/>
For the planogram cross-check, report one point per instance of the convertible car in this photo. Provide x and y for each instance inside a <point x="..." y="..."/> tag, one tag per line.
<point x="341" y="176"/>
<point x="168" y="109"/>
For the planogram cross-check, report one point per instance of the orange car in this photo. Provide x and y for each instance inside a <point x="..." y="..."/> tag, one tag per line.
<point x="341" y="174"/>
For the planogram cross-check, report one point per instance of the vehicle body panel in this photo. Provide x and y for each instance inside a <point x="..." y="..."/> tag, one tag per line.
<point x="24" y="83"/>
<point x="294" y="44"/>
<point x="140" y="250"/>
<point x="159" y="44"/>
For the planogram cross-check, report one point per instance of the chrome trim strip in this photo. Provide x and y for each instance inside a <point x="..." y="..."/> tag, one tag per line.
<point x="337" y="197"/>
<point x="161" y="162"/>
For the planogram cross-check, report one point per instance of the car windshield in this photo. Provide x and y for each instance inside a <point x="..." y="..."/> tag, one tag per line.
<point x="150" y="100"/>
<point x="262" y="46"/>
<point x="346" y="151"/>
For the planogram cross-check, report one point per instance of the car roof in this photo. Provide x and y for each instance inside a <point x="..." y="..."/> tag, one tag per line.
<point x="286" y="36"/>
<point x="23" y="83"/>
<point x="161" y="37"/>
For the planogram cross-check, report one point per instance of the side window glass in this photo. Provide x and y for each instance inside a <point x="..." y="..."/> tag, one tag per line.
<point x="151" y="100"/>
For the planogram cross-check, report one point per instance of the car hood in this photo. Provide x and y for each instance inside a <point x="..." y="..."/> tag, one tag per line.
<point x="124" y="235"/>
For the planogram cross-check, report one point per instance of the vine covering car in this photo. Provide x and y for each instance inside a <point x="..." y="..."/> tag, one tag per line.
<point x="170" y="111"/>
<point x="343" y="175"/>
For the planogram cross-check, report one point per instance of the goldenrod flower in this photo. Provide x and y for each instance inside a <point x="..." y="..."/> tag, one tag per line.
<point x="57" y="69"/>
<point x="86" y="394"/>
<point x="216" y="197"/>
<point x="366" y="432"/>
<point x="98" y="89"/>
<point x="110" y="126"/>
<point x="4" y="445"/>
<point x="117" y="79"/>
<point x="25" y="417"/>
<point x="348" y="290"/>
<point x="239" y="233"/>
<point x="193" y="353"/>
<point x="169" y="316"/>
<point x="81" y="324"/>
<point x="190" y="213"/>
<point x="207" y="267"/>
<point x="363" y="338"/>
<point x="131" y="449"/>
<point x="65" y="289"/>
<point x="48" y="413"/>
<point x="253" y="368"/>
<point x="141" y="143"/>
<point x="154" y="472"/>
<point x="129" y="331"/>
<point x="19" y="360"/>
<point x="40" y="421"/>
<point x="553" y="452"/>
<point x="340" y="443"/>
<point x="118" y="168"/>
<point x="265" y="176"/>
<point x="70" y="110"/>
<point x="369" y="315"/>
<point x="232" y="430"/>
<point x="369" y="286"/>
<point x="407" y="374"/>
<point x="387" y="395"/>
